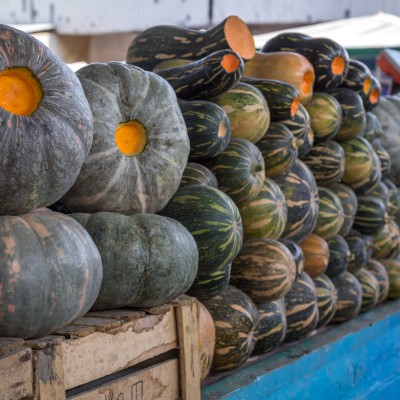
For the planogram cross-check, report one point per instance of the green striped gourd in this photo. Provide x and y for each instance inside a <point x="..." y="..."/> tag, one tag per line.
<point x="358" y="251"/>
<point x="265" y="216"/>
<point x="378" y="270"/>
<point x="301" y="308"/>
<point x="339" y="255"/>
<point x="358" y="78"/>
<point x="235" y="317"/>
<point x="330" y="215"/>
<point x="300" y="126"/>
<point x="362" y="166"/>
<point x="384" y="158"/>
<point x="349" y="203"/>
<point x="374" y="94"/>
<point x="392" y="267"/>
<point x="373" y="128"/>
<point x="326" y="299"/>
<point x="282" y="97"/>
<point x="386" y="241"/>
<point x="382" y="192"/>
<point x="264" y="269"/>
<point x="394" y="197"/>
<point x="247" y="110"/>
<point x="210" y="283"/>
<point x="325" y="116"/>
<point x="349" y="297"/>
<point x="271" y="328"/>
<point x="300" y="190"/>
<point x="279" y="148"/>
<point x="327" y="162"/>
<point x="198" y="174"/>
<point x="213" y="220"/>
<point x="239" y="170"/>
<point x="297" y="254"/>
<point x="353" y="113"/>
<point x="173" y="62"/>
<point x="371" y="214"/>
<point x="206" y="77"/>
<point x="208" y="128"/>
<point x="370" y="289"/>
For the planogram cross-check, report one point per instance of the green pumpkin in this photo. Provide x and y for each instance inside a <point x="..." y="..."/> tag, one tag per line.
<point x="386" y="241"/>
<point x="339" y="255"/>
<point x="297" y="254"/>
<point x="370" y="289"/>
<point x="198" y="174"/>
<point x="392" y="267"/>
<point x="50" y="273"/>
<point x="326" y="299"/>
<point x="46" y="124"/>
<point x="358" y="78"/>
<point x="358" y="250"/>
<point x="377" y="269"/>
<point x="147" y="259"/>
<point x="140" y="143"/>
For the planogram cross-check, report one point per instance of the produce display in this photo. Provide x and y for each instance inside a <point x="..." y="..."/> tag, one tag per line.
<point x="262" y="182"/>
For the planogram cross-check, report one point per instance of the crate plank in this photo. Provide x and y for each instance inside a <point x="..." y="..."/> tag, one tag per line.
<point x="157" y="382"/>
<point x="16" y="373"/>
<point x="123" y="314"/>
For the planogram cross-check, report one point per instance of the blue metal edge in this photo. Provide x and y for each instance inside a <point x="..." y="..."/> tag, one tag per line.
<point x="359" y="359"/>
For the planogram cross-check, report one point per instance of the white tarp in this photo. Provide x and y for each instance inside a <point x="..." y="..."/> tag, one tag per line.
<point x="380" y="30"/>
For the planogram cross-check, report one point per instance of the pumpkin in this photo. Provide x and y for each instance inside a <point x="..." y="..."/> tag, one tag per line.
<point x="140" y="146"/>
<point x="392" y="267"/>
<point x="358" y="78"/>
<point x="163" y="42"/>
<point x="370" y="289"/>
<point x="285" y="66"/>
<point x="374" y="94"/>
<point x="339" y="256"/>
<point x="297" y="254"/>
<point x="358" y="250"/>
<point x="50" y="273"/>
<point x="316" y="255"/>
<point x="198" y="174"/>
<point x="386" y="241"/>
<point x="326" y="299"/>
<point x="381" y="275"/>
<point x="371" y="214"/>
<point x="147" y="259"/>
<point x="45" y="124"/>
<point x="206" y="339"/>
<point x="394" y="197"/>
<point x="235" y="317"/>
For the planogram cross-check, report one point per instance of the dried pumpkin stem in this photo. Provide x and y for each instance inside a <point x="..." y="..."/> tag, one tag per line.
<point x="131" y="137"/>
<point x="20" y="91"/>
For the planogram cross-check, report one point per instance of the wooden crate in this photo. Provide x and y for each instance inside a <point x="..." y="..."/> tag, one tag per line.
<point x="116" y="354"/>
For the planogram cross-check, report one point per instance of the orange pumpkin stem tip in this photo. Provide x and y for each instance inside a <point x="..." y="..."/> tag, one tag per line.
<point x="338" y="65"/>
<point x="295" y="106"/>
<point x="239" y="37"/>
<point x="230" y="63"/>
<point x="367" y="85"/>
<point x="374" y="96"/>
<point x="20" y="91"/>
<point x="307" y="83"/>
<point x="131" y="138"/>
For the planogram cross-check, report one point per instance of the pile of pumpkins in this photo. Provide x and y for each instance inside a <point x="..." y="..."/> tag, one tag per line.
<point x="255" y="181"/>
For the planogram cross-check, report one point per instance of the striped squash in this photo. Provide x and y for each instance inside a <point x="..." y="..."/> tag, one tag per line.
<point x="206" y="339"/>
<point x="264" y="269"/>
<point x="239" y="170"/>
<point x="394" y="197"/>
<point x="349" y="297"/>
<point x="247" y="110"/>
<point x="358" y="251"/>
<point x="326" y="161"/>
<point x="301" y="308"/>
<point x="208" y="128"/>
<point x="358" y="78"/>
<point x="392" y="267"/>
<point x="386" y="241"/>
<point x="325" y="116"/>
<point x="316" y="255"/>
<point x="330" y="215"/>
<point x="384" y="158"/>
<point x="382" y="192"/>
<point x="373" y="128"/>
<point x="374" y="94"/>
<point x="353" y="113"/>
<point x="349" y="203"/>
<point x="235" y="317"/>
<point x="213" y="220"/>
<point x="370" y="289"/>
<point x="339" y="255"/>
<point x="279" y="148"/>
<point x="198" y="174"/>
<point x="300" y="190"/>
<point x="265" y="216"/>
<point x="208" y="284"/>
<point x="376" y="268"/>
<point x="326" y="299"/>
<point x="271" y="328"/>
<point x="297" y="254"/>
<point x="371" y="215"/>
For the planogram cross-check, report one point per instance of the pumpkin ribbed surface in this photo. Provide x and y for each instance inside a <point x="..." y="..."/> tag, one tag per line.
<point x="371" y="215"/>
<point x="110" y="180"/>
<point x="235" y="317"/>
<point x="386" y="241"/>
<point x="377" y="269"/>
<point x="198" y="174"/>
<point x="264" y="269"/>
<point x="370" y="289"/>
<point x="326" y="299"/>
<point x="316" y="255"/>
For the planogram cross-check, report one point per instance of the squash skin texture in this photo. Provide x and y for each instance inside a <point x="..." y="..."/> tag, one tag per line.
<point x="148" y="259"/>
<point x="50" y="273"/>
<point x="111" y="181"/>
<point x="42" y="153"/>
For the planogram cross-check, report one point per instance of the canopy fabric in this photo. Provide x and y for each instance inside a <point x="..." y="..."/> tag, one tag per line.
<point x="378" y="31"/>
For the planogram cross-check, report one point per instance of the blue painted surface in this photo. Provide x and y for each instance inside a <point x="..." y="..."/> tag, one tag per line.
<point x="359" y="359"/>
